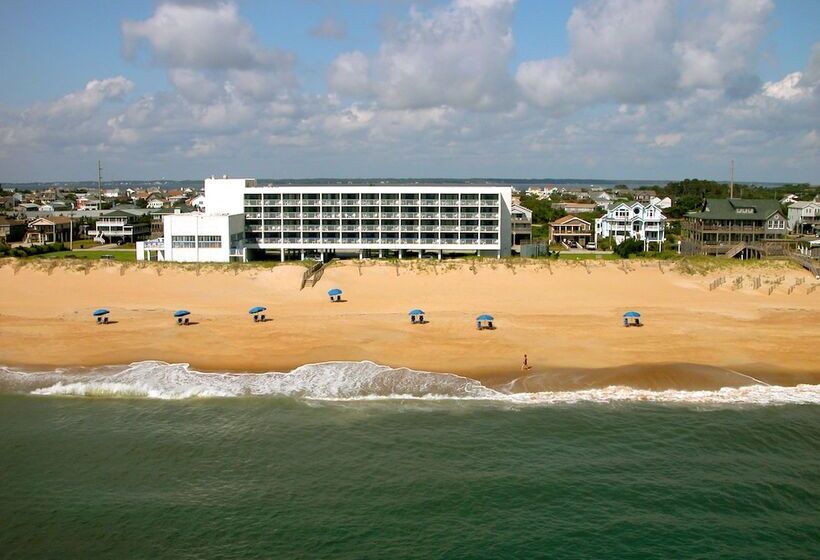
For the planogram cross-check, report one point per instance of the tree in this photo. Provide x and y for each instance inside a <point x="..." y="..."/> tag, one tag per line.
<point x="542" y="210"/>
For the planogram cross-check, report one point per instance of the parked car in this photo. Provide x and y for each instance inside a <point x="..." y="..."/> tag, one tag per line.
<point x="590" y="246"/>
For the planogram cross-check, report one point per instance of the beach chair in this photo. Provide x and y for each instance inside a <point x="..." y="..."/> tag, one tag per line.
<point x="626" y="322"/>
<point x="99" y="320"/>
<point x="490" y="325"/>
<point x="187" y="322"/>
<point x="261" y="318"/>
<point x="478" y="325"/>
<point x="105" y="320"/>
<point x="413" y="319"/>
<point x="256" y="318"/>
<point x="179" y="320"/>
<point x="421" y="319"/>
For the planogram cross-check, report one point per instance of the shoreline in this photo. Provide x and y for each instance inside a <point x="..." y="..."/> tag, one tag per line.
<point x="565" y="317"/>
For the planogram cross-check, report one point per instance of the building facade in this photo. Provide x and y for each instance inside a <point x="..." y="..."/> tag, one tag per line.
<point x="804" y="216"/>
<point x="119" y="225"/>
<point x="633" y="220"/>
<point x="52" y="229"/>
<point x="521" y="223"/>
<point x="569" y="230"/>
<point x="361" y="220"/>
<point x="195" y="237"/>
<point x="733" y="227"/>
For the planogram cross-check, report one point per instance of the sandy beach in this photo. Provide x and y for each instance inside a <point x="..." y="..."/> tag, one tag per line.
<point x="566" y="316"/>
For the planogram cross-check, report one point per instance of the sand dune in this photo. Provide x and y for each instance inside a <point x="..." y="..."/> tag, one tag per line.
<point x="565" y="316"/>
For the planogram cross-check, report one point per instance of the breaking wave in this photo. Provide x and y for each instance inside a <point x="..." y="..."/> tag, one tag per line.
<point x="341" y="381"/>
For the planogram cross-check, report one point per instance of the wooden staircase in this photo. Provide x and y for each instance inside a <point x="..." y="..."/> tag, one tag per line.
<point x="312" y="275"/>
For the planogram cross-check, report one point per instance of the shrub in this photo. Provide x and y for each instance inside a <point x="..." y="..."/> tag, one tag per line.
<point x="630" y="246"/>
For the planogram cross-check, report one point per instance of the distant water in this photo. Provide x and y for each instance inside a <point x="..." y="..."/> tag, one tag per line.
<point x="333" y="463"/>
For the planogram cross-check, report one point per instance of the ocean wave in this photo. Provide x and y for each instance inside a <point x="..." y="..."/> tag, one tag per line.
<point x="353" y="381"/>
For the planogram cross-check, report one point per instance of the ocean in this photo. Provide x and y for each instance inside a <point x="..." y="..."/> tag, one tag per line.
<point x="154" y="460"/>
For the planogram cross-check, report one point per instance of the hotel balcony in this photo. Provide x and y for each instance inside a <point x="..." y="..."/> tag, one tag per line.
<point x="272" y="215"/>
<point x="429" y="215"/>
<point x="253" y="215"/>
<point x="406" y="215"/>
<point x="429" y="202"/>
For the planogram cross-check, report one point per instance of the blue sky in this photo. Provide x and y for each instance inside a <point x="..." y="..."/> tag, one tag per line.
<point x="599" y="88"/>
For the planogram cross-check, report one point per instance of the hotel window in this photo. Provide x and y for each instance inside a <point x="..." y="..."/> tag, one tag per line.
<point x="210" y="241"/>
<point x="183" y="241"/>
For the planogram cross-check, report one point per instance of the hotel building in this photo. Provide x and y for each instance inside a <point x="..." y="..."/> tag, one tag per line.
<point x="326" y="220"/>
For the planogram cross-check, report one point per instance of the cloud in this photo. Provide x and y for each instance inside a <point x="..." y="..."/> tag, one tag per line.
<point x="330" y="28"/>
<point x="455" y="55"/>
<point x="668" y="140"/>
<point x="649" y="88"/>
<point x="205" y="47"/>
<point x="634" y="51"/>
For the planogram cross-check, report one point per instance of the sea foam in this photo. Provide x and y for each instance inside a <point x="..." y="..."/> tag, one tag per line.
<point x="350" y="381"/>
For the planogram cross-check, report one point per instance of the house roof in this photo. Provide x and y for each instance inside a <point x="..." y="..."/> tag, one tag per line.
<point x="727" y="209"/>
<point x="56" y="220"/>
<point x="118" y="214"/>
<point x="566" y="219"/>
<point x="803" y="203"/>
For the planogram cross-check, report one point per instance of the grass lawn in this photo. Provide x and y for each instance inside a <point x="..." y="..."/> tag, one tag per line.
<point x="94" y="255"/>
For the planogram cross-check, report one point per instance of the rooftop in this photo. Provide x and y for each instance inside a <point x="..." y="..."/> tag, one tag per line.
<point x="737" y="209"/>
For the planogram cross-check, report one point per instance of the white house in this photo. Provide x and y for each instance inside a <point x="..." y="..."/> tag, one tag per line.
<point x="198" y="202"/>
<point x="804" y="216"/>
<point x="155" y="204"/>
<point x="633" y="220"/>
<point x="662" y="203"/>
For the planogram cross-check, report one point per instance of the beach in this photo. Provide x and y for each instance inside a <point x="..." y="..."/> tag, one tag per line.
<point x="566" y="316"/>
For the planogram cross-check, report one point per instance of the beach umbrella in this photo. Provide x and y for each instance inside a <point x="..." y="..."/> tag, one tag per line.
<point x="485" y="317"/>
<point x="257" y="309"/>
<point x="100" y="312"/>
<point x="181" y="313"/>
<point x="334" y="292"/>
<point x="630" y="314"/>
<point x="416" y="312"/>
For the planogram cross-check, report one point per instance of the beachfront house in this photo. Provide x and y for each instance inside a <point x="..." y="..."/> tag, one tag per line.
<point x="734" y="227"/>
<point x="119" y="226"/>
<point x="49" y="229"/>
<point x="804" y="216"/>
<point x="521" y="222"/>
<point x="633" y="220"/>
<point x="570" y="230"/>
<point x="320" y="221"/>
<point x="11" y="230"/>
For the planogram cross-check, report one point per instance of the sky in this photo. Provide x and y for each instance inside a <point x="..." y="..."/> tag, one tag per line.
<point x="607" y="89"/>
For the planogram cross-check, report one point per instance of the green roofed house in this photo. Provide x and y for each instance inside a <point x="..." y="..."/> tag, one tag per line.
<point x="734" y="227"/>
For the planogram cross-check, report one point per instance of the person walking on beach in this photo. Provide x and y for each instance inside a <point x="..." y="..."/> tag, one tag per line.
<point x="525" y="365"/>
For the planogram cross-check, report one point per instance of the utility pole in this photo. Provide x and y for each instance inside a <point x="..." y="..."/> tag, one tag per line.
<point x="732" y="179"/>
<point x="99" y="184"/>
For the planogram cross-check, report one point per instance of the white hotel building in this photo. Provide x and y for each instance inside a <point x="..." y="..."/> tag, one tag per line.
<point x="242" y="219"/>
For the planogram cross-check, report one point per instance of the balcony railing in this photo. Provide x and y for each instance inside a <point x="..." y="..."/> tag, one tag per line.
<point x="272" y="215"/>
<point x="253" y="215"/>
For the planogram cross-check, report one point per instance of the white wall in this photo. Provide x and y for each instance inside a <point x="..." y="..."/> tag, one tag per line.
<point x="226" y="196"/>
<point x="198" y="225"/>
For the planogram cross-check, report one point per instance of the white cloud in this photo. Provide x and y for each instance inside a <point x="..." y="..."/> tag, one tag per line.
<point x="455" y="55"/>
<point x="632" y="51"/>
<point x="668" y="140"/>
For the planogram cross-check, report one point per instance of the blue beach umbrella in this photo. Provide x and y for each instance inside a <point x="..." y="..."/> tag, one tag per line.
<point x="181" y="313"/>
<point x="485" y="317"/>
<point x="100" y="312"/>
<point x="257" y="309"/>
<point x="334" y="292"/>
<point x="631" y="314"/>
<point x="416" y="312"/>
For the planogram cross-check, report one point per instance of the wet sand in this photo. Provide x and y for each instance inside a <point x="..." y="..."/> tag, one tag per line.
<point x="565" y="316"/>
